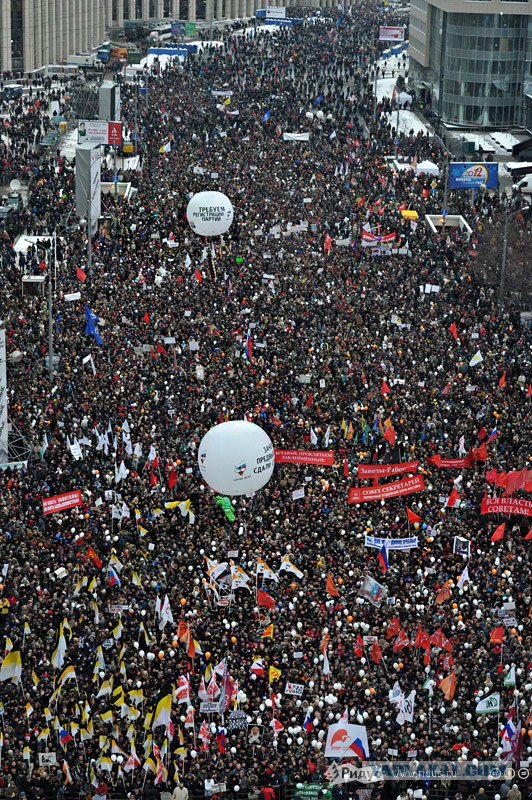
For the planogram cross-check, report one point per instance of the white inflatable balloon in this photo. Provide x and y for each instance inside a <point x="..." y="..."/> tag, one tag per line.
<point x="236" y="458"/>
<point x="210" y="213"/>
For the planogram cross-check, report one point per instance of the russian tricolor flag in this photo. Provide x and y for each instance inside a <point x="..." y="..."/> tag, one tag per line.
<point x="383" y="557"/>
<point x="249" y="345"/>
<point x="493" y="435"/>
<point x="114" y="580"/>
<point x="307" y="724"/>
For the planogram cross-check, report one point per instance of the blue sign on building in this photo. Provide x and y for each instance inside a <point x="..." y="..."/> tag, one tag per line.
<point x="473" y="176"/>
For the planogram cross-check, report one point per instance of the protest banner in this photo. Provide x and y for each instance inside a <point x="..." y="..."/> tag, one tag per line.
<point x="323" y="458"/>
<point x="451" y="463"/>
<point x="506" y="505"/>
<point x="294" y="688"/>
<point x="395" y="489"/>
<point x="386" y="470"/>
<point x="393" y="544"/>
<point x="60" y="502"/>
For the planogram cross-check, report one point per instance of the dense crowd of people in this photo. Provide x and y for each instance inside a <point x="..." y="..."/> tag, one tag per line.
<point x="325" y="343"/>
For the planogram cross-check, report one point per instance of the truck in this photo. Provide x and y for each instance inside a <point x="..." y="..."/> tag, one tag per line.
<point x="87" y="60"/>
<point x="524" y="185"/>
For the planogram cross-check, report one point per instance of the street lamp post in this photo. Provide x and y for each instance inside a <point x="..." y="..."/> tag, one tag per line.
<point x="505" y="248"/>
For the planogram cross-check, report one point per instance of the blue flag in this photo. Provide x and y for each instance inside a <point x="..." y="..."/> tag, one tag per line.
<point x="267" y="115"/>
<point x="318" y="100"/>
<point x="92" y="322"/>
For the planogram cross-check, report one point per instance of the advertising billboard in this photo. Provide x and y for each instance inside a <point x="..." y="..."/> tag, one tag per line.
<point x="99" y="132"/>
<point x="472" y="176"/>
<point x="388" y="33"/>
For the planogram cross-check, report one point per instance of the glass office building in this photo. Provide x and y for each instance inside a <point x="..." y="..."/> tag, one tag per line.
<point x="471" y="61"/>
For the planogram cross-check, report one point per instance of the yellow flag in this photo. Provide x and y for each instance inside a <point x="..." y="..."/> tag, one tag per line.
<point x="273" y="674"/>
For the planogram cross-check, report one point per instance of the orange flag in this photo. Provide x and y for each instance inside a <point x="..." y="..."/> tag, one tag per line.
<point x="183" y="631"/>
<point x="497" y="635"/>
<point x="448" y="686"/>
<point x="324" y="643"/>
<point x="443" y="594"/>
<point x="267" y="633"/>
<point x="330" y="588"/>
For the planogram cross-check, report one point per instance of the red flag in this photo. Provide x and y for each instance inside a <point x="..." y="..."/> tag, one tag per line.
<point x="146" y="318"/>
<point x="199" y="276"/>
<point x="154" y="480"/>
<point x="528" y="536"/>
<point x="160" y="349"/>
<point x="401" y="642"/>
<point x="376" y="652"/>
<point x="422" y="638"/>
<point x="425" y="193"/>
<point x="172" y="478"/>
<point x="385" y="389"/>
<point x="264" y="599"/>
<point x="390" y="436"/>
<point x="491" y="475"/>
<point x="502" y="380"/>
<point x="452" y="499"/>
<point x="412" y="517"/>
<point x="482" y="434"/>
<point x="452" y="328"/>
<point x="309" y="400"/>
<point x="435" y="460"/>
<point x="359" y="646"/>
<point x="393" y="628"/>
<point x="528" y="390"/>
<point x="498" y="533"/>
<point x="327" y="245"/>
<point x="346" y="468"/>
<point x="497" y="635"/>
<point x="330" y="588"/>
<point x="80" y="275"/>
<point x="94" y="558"/>
<point x="446" y="389"/>
<point x="480" y="453"/>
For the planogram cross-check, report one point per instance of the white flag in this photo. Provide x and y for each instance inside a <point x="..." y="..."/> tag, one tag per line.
<point x="490" y="704"/>
<point x="406" y="708"/>
<point x="327" y="437"/>
<point x="509" y="678"/>
<point x="477" y="359"/>
<point x="464" y="577"/>
<point x="461" y="446"/>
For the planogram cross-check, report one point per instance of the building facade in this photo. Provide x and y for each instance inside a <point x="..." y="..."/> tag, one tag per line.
<point x="471" y="60"/>
<point x="38" y="32"/>
<point x="119" y="11"/>
<point x="34" y="33"/>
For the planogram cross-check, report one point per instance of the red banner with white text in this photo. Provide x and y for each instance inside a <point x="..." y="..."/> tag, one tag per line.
<point x="395" y="489"/>
<point x="451" y="463"/>
<point x="386" y="470"/>
<point x="60" y="502"/>
<point x="323" y="458"/>
<point x="506" y="505"/>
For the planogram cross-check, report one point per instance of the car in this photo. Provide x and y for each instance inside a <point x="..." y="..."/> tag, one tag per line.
<point x="14" y="199"/>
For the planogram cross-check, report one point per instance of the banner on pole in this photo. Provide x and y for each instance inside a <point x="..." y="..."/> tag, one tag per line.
<point x="60" y="502"/>
<point x="323" y="458"/>
<point x="395" y="489"/>
<point x="393" y="544"/>
<point x="506" y="505"/>
<point x="386" y="470"/>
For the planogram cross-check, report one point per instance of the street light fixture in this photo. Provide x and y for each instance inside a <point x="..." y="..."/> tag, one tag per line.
<point x="505" y="247"/>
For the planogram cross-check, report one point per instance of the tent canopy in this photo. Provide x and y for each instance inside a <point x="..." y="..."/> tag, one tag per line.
<point x="428" y="168"/>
